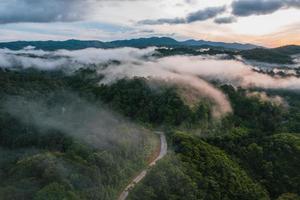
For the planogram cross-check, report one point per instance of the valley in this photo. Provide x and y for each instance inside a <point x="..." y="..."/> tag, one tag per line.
<point x="80" y="125"/>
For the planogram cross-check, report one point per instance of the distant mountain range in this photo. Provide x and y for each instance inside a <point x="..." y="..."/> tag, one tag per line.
<point x="138" y="43"/>
<point x="280" y="55"/>
<point x="237" y="46"/>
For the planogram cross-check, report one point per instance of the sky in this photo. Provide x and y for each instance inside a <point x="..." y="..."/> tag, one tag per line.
<point x="269" y="23"/>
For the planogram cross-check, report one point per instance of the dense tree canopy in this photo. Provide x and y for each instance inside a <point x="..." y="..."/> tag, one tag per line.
<point x="252" y="153"/>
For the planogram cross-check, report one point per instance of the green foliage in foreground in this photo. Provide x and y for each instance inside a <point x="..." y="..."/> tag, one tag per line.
<point x="80" y="172"/>
<point x="289" y="196"/>
<point x="251" y="152"/>
<point x="198" y="171"/>
<point x="40" y="162"/>
<point x="272" y="160"/>
<point x="243" y="156"/>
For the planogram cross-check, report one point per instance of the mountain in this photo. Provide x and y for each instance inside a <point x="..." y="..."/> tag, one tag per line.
<point x="146" y="42"/>
<point x="238" y="46"/>
<point x="280" y="55"/>
<point x="53" y="45"/>
<point x="138" y="43"/>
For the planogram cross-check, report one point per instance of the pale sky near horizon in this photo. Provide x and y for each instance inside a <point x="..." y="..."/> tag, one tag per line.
<point x="264" y="22"/>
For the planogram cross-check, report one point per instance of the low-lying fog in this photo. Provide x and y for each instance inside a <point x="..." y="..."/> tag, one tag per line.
<point x="73" y="115"/>
<point x="195" y="71"/>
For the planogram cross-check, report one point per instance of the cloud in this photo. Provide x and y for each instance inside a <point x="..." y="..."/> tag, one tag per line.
<point x="195" y="72"/>
<point x="44" y="11"/>
<point x="225" y="20"/>
<point x="15" y="11"/>
<point x="205" y="14"/>
<point x="261" y="7"/>
<point x="133" y="63"/>
<point x="163" y="21"/>
<point x="200" y="15"/>
<point x="44" y="60"/>
<point x="166" y="69"/>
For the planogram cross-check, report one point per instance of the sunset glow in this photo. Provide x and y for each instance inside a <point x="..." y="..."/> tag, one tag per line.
<point x="233" y="21"/>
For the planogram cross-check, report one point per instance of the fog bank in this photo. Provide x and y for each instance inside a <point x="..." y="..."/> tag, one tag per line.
<point x="194" y="71"/>
<point x="72" y="115"/>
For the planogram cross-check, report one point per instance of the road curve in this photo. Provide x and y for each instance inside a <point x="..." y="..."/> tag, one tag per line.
<point x="138" y="178"/>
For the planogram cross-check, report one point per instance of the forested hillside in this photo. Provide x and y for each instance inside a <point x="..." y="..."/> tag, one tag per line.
<point x="61" y="138"/>
<point x="281" y="55"/>
<point x="149" y="100"/>
<point x="250" y="156"/>
<point x="60" y="143"/>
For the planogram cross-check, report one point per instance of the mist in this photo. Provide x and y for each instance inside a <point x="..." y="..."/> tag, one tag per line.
<point x="68" y="60"/>
<point x="140" y="62"/>
<point x="227" y="71"/>
<point x="194" y="71"/>
<point x="264" y="97"/>
<point x="72" y="115"/>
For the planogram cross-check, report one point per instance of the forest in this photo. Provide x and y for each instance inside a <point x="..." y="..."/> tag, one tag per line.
<point x="149" y="99"/>
<point x="252" y="153"/>
<point x="52" y="149"/>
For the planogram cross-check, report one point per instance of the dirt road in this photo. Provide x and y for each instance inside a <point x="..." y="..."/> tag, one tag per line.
<point x="138" y="178"/>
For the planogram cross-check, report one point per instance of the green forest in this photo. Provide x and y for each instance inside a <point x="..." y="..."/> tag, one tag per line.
<point x="254" y="154"/>
<point x="65" y="136"/>
<point x="40" y="160"/>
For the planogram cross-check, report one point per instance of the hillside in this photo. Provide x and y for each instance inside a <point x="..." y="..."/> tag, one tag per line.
<point x="53" y="45"/>
<point x="149" y="100"/>
<point x="83" y="124"/>
<point x="48" y="154"/>
<point x="58" y="143"/>
<point x="288" y="50"/>
<point x="280" y="55"/>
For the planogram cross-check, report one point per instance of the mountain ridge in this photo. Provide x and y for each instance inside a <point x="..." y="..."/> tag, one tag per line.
<point x="234" y="45"/>
<point x="73" y="44"/>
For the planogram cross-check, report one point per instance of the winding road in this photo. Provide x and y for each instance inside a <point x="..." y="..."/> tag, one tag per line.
<point x="138" y="178"/>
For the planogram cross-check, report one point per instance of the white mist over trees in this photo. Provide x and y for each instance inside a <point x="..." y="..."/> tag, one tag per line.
<point x="118" y="63"/>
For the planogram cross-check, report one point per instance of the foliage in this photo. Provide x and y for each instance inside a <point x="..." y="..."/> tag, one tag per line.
<point x="137" y="100"/>
<point x="40" y="162"/>
<point x="267" y="55"/>
<point x="251" y="154"/>
<point x="272" y="160"/>
<point x="202" y="172"/>
<point x="251" y="113"/>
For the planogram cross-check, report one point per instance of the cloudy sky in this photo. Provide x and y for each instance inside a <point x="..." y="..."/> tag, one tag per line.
<point x="264" y="22"/>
